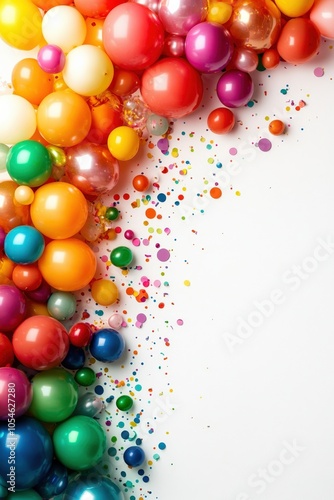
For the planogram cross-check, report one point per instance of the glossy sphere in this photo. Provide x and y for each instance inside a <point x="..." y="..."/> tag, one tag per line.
<point x="55" y="395"/>
<point x="123" y="143"/>
<point x="221" y="120"/>
<point x="322" y="15"/>
<point x="12" y="307"/>
<point x="11" y="214"/>
<point x="255" y="24"/>
<point x="24" y="245"/>
<point x="299" y="41"/>
<point x="93" y="486"/>
<point x="27" y="277"/>
<point x="6" y="352"/>
<point x="30" y="81"/>
<point x="270" y="58"/>
<point x="41" y="294"/>
<point x="172" y="87"/>
<point x="244" y="59"/>
<point x="54" y="482"/>
<point x="75" y="358"/>
<point x="98" y="8"/>
<point x="121" y="256"/>
<point x="62" y="305"/>
<point x="106" y="111"/>
<point x="33" y="451"/>
<point x="89" y="404"/>
<point x="140" y="182"/>
<point x="24" y="195"/>
<point x="296" y="8"/>
<point x="63" y="118"/>
<point x="179" y="17"/>
<point x="156" y="125"/>
<point x="107" y="345"/>
<point x="124" y="403"/>
<point x="40" y="342"/>
<point x="219" y="12"/>
<point x="85" y="376"/>
<point x="51" y="59"/>
<point x="18" y="119"/>
<point x="59" y="210"/>
<point x="134" y="456"/>
<point x="124" y="83"/>
<point x="79" y="442"/>
<point x="14" y="382"/>
<point x="92" y="168"/>
<point x="28" y="162"/>
<point x="67" y="265"/>
<point x="133" y="36"/>
<point x="276" y="127"/>
<point x="235" y="88"/>
<point x="112" y="213"/>
<point x="80" y="334"/>
<point x="104" y="292"/>
<point x="64" y="26"/>
<point x="208" y="47"/>
<point x="20" y="24"/>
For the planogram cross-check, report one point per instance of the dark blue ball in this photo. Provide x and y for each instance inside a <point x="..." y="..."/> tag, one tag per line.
<point x="134" y="456"/>
<point x="75" y="358"/>
<point x="107" y="345"/>
<point x="54" y="482"/>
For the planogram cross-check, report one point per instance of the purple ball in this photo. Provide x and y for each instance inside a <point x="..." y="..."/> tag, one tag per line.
<point x="15" y="387"/>
<point x="235" y="88"/>
<point x="12" y="307"/>
<point x="41" y="294"/>
<point x="51" y="58"/>
<point x="2" y="238"/>
<point x="208" y="47"/>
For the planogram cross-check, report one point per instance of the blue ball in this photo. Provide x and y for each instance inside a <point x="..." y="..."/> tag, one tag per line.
<point x="75" y="358"/>
<point x="91" y="485"/>
<point x="24" y="245"/>
<point x="134" y="456"/>
<point x="28" y="448"/>
<point x="107" y="345"/>
<point x="54" y="482"/>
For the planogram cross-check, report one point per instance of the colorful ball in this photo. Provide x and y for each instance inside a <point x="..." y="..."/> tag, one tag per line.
<point x="29" y="163"/>
<point x="107" y="345"/>
<point x="15" y="393"/>
<point x="134" y="456"/>
<point x="235" y="88"/>
<point x="13" y="307"/>
<point x="121" y="256"/>
<point x="24" y="245"/>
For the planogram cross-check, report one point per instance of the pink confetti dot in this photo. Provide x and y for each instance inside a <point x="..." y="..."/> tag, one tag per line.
<point x="141" y="317"/>
<point x="264" y="145"/>
<point x="157" y="283"/>
<point x="179" y="322"/>
<point x="319" y="72"/>
<point x="163" y="254"/>
<point x="233" y="151"/>
<point x="136" y="242"/>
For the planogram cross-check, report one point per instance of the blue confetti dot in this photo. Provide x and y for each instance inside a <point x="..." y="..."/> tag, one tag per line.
<point x="99" y="390"/>
<point x="162" y="197"/>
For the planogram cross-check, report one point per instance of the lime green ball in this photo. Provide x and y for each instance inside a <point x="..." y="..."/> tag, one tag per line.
<point x="79" y="442"/>
<point x="29" y="163"/>
<point x="54" y="395"/>
<point x="121" y="256"/>
<point x="124" y="403"/>
<point x="111" y="213"/>
<point x="85" y="376"/>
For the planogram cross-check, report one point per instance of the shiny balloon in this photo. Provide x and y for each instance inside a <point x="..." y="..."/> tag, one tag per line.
<point x="29" y="162"/>
<point x="24" y="244"/>
<point x="255" y="24"/>
<point x="11" y="214"/>
<point x="15" y="393"/>
<point x="299" y="41"/>
<point x="51" y="59"/>
<point x="179" y="17"/>
<point x="89" y="404"/>
<point x="134" y="456"/>
<point x="6" y="351"/>
<point x="64" y="26"/>
<point x="174" y="46"/>
<point x="27" y="277"/>
<point x="85" y="376"/>
<point x="106" y="111"/>
<point x="55" y="481"/>
<point x="30" y="81"/>
<point x="92" y="485"/>
<point x="41" y="294"/>
<point x="40" y="342"/>
<point x="94" y="32"/>
<point x="104" y="292"/>
<point x="18" y="119"/>
<point x="208" y="47"/>
<point x="98" y="9"/>
<point x="54" y="395"/>
<point x="75" y="358"/>
<point x="33" y="452"/>
<point x="20" y="24"/>
<point x="62" y="305"/>
<point x="80" y="334"/>
<point x="123" y="143"/>
<point x="124" y="83"/>
<point x="92" y="168"/>
<point x="172" y="87"/>
<point x="156" y="125"/>
<point x="245" y="59"/>
<point x="235" y="88"/>
<point x="322" y="15"/>
<point x="79" y="442"/>
<point x="297" y="8"/>
<point x="13" y="307"/>
<point x="107" y="345"/>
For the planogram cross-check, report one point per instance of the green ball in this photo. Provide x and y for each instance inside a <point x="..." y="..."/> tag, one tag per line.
<point x="111" y="213"/>
<point x="124" y="403"/>
<point x="62" y="305"/>
<point x="121" y="256"/>
<point x="85" y="376"/>
<point x="24" y="495"/>
<point x="79" y="442"/>
<point x="29" y="163"/>
<point x="54" y="395"/>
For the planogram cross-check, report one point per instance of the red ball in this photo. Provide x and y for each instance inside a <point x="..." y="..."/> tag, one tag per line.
<point x="40" y="342"/>
<point x="140" y="182"/>
<point x="80" y="334"/>
<point x="221" y="120"/>
<point x="6" y="351"/>
<point x="172" y="87"/>
<point x="299" y="40"/>
<point x="133" y="36"/>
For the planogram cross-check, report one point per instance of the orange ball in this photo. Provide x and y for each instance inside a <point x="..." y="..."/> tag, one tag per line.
<point x="59" y="210"/>
<point x="26" y="277"/>
<point x="270" y="58"/>
<point x="68" y="265"/>
<point x="30" y="81"/>
<point x="276" y="127"/>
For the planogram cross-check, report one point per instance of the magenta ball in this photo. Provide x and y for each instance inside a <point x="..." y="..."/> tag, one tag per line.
<point x="208" y="47"/>
<point x="15" y="393"/>
<point x="51" y="59"/>
<point x="245" y="59"/>
<point x="12" y="307"/>
<point x="235" y="88"/>
<point x="40" y="294"/>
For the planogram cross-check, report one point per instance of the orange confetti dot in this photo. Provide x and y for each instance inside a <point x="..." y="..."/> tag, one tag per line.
<point x="215" y="193"/>
<point x="150" y="213"/>
<point x="129" y="291"/>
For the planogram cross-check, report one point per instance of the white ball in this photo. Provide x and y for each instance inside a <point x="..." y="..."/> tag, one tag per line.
<point x="64" y="26"/>
<point x="18" y="119"/>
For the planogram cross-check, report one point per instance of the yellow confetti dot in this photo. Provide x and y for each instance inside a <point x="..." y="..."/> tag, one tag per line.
<point x="186" y="283"/>
<point x="267" y="118"/>
<point x="237" y="193"/>
<point x="175" y="152"/>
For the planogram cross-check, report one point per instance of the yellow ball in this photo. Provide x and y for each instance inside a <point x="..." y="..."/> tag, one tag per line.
<point x="295" y="8"/>
<point x="219" y="12"/>
<point x="24" y="195"/>
<point x="123" y="143"/>
<point x="104" y="292"/>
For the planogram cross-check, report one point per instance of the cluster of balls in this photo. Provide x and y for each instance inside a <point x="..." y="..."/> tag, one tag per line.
<point x="105" y="72"/>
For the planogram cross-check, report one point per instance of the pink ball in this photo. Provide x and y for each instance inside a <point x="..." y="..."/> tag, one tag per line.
<point x="208" y="47"/>
<point x="174" y="46"/>
<point x="51" y="59"/>
<point x="322" y="15"/>
<point x="12" y="307"/>
<point x="235" y="88"/>
<point x="245" y="59"/>
<point x="15" y="393"/>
